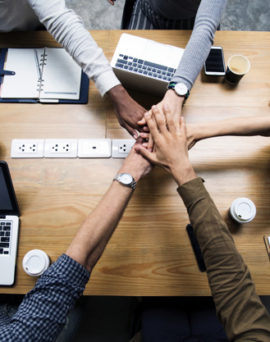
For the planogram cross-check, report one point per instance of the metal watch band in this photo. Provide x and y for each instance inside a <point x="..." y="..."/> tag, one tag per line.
<point x="131" y="185"/>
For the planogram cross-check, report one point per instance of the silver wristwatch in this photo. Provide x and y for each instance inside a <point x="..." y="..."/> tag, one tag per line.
<point x="126" y="179"/>
<point x="179" y="88"/>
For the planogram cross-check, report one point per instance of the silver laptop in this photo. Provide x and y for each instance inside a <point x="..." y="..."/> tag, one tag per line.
<point x="9" y="227"/>
<point x="144" y="64"/>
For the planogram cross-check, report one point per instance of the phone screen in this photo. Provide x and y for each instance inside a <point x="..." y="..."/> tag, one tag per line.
<point x="215" y="62"/>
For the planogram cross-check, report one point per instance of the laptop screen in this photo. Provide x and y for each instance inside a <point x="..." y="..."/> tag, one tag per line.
<point x="8" y="202"/>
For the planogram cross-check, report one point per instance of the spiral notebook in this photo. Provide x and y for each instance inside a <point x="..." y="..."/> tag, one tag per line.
<point x="46" y="75"/>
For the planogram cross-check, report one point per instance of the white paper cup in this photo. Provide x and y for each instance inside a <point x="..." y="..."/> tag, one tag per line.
<point x="35" y="262"/>
<point x="243" y="210"/>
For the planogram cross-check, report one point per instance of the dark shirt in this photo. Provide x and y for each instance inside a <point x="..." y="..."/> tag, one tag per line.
<point x="176" y="9"/>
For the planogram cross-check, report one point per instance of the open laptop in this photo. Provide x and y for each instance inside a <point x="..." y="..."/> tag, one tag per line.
<point x="144" y="64"/>
<point x="9" y="227"/>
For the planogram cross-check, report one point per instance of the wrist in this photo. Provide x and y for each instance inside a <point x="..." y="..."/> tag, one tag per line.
<point x="136" y="174"/>
<point x="183" y="172"/>
<point x="179" y="88"/>
<point x="174" y="97"/>
<point x="116" y="92"/>
<point x="198" y="131"/>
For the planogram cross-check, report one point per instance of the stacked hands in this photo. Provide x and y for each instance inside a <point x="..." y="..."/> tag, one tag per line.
<point x="167" y="146"/>
<point x="130" y="114"/>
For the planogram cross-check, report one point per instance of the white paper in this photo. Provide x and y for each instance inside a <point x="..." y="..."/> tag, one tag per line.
<point x="24" y="83"/>
<point x="61" y="75"/>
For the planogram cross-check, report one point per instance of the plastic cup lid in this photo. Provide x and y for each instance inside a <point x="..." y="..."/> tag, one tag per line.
<point x="244" y="209"/>
<point x="35" y="262"/>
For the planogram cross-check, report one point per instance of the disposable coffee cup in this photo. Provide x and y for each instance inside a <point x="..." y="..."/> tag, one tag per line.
<point x="237" y="67"/>
<point x="243" y="210"/>
<point x="35" y="262"/>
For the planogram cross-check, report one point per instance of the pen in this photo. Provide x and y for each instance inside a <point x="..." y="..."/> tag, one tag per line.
<point x="6" y="72"/>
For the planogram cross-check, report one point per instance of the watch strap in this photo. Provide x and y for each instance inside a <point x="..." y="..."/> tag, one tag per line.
<point x="172" y="86"/>
<point x="131" y="185"/>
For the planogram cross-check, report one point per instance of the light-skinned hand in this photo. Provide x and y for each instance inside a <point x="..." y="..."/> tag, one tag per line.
<point x="135" y="164"/>
<point x="170" y="149"/>
<point x="193" y="136"/>
<point x="173" y="102"/>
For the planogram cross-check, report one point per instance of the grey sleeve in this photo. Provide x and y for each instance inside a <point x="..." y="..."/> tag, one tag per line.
<point x="206" y="23"/>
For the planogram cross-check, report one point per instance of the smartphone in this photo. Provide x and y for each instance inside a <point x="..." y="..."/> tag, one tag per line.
<point x="196" y="248"/>
<point x="214" y="64"/>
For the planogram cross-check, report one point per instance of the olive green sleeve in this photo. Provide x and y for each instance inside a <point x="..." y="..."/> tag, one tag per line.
<point x="238" y="307"/>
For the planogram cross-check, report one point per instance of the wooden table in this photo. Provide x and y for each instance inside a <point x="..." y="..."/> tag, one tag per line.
<point x="149" y="253"/>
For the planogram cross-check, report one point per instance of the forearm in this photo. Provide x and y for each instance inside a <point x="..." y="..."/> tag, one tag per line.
<point x="68" y="29"/>
<point x="238" y="307"/>
<point x="238" y="126"/>
<point x="91" y="239"/>
<point x="207" y="20"/>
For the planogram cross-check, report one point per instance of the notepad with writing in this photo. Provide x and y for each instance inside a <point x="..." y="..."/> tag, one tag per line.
<point x="46" y="75"/>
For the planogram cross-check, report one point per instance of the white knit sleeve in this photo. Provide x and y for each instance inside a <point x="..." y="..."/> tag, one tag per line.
<point x="67" y="28"/>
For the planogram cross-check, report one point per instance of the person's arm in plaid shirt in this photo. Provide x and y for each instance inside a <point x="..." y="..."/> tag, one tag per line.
<point x="43" y="311"/>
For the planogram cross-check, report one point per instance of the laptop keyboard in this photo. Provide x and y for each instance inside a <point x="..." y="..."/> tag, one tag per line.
<point x="5" y="232"/>
<point x="145" y="68"/>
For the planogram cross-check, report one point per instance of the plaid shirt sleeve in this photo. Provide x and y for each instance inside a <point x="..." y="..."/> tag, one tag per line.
<point x="43" y="311"/>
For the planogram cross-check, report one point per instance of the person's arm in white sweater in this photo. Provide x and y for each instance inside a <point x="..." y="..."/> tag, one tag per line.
<point x="67" y="28"/>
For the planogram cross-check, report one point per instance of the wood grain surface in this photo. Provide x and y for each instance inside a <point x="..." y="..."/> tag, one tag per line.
<point x="149" y="253"/>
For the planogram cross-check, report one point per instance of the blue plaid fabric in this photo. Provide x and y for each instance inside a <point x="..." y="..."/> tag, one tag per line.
<point x="43" y="311"/>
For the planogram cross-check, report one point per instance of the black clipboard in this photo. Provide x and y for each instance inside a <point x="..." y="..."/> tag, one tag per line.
<point x="196" y="248"/>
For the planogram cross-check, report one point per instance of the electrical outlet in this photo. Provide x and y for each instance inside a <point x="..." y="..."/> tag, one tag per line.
<point x="61" y="148"/>
<point x="27" y="148"/>
<point x="94" y="148"/>
<point x="121" y="147"/>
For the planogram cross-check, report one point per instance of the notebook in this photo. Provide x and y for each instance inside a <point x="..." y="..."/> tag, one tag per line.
<point x="9" y="227"/>
<point x="46" y="75"/>
<point x="145" y="64"/>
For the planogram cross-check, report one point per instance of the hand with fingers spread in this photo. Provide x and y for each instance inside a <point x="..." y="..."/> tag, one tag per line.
<point x="194" y="134"/>
<point x="170" y="144"/>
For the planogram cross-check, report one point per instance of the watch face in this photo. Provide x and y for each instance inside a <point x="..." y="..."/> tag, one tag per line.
<point x="181" y="89"/>
<point x="125" y="178"/>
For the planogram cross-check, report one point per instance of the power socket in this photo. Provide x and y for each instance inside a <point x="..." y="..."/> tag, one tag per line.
<point x="27" y="148"/>
<point x="121" y="147"/>
<point x="94" y="148"/>
<point x="61" y="148"/>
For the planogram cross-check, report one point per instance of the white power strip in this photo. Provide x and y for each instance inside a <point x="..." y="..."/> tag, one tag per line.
<point x="71" y="148"/>
<point x="121" y="147"/>
<point x="27" y="148"/>
<point x="95" y="148"/>
<point x="60" y="148"/>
